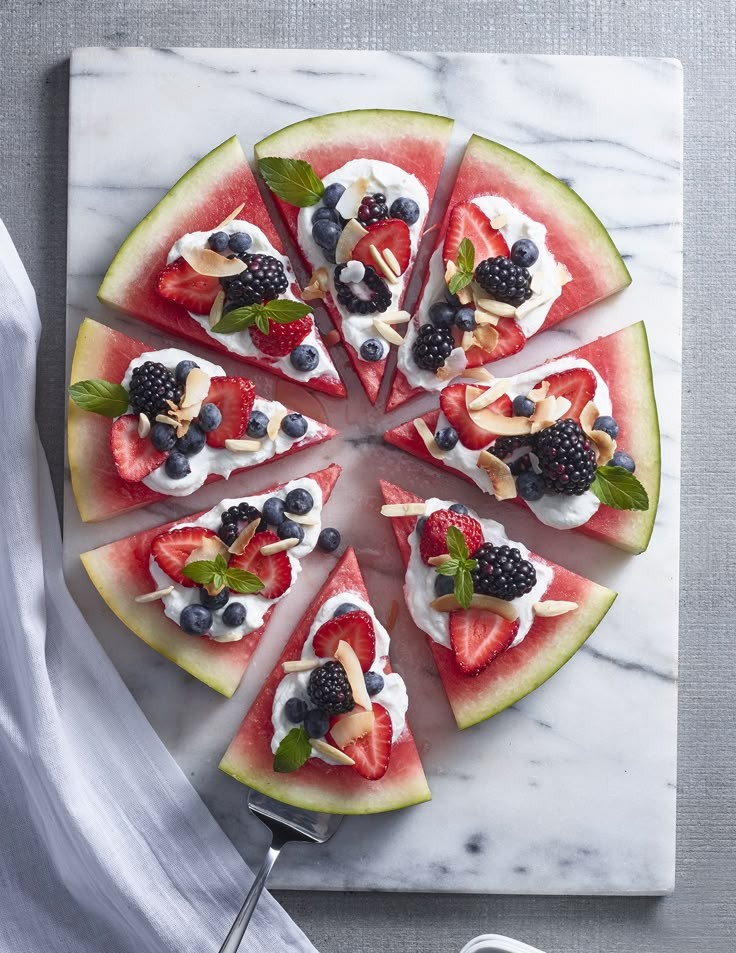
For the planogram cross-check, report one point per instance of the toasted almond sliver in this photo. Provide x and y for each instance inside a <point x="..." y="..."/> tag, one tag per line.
<point x="197" y="387"/>
<point x="537" y="282"/>
<point x="216" y="309"/>
<point x="387" y="332"/>
<point x="307" y="519"/>
<point x="208" y="262"/>
<point x="243" y="446"/>
<point x="271" y="549"/>
<point x="438" y="560"/>
<point x="153" y="596"/>
<point x="428" y="439"/>
<point x="395" y="317"/>
<point x="402" y="509"/>
<point x="382" y="265"/>
<point x="486" y="336"/>
<point x="231" y="217"/>
<point x="349" y="238"/>
<point x="163" y="419"/>
<point x="499" y="473"/>
<point x="300" y="665"/>
<point x="551" y="607"/>
<point x="539" y="392"/>
<point x="275" y="423"/>
<point x="244" y="537"/>
<point x="392" y="261"/>
<point x="498" y="221"/>
<point x="501" y="607"/>
<point x="144" y="426"/>
<point x="483" y="317"/>
<point x="523" y="310"/>
<point x="498" y="308"/>
<point x="488" y="396"/>
<point x="563" y="273"/>
<point x="319" y="744"/>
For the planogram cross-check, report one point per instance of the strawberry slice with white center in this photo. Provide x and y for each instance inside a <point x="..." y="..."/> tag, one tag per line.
<point x="468" y="221"/>
<point x="234" y="398"/>
<point x="181" y="283"/>
<point x="454" y="407"/>
<point x="391" y="234"/>
<point x="577" y="385"/>
<point x="510" y="340"/>
<point x="274" y="571"/>
<point x="171" y="550"/>
<point x="477" y="637"/>
<point x="372" y="752"/>
<point x="134" y="457"/>
<point x="355" y="628"/>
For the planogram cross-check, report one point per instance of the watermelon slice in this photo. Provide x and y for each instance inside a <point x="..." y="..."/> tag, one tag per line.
<point x="575" y="237"/>
<point x="416" y="142"/>
<point x="622" y="359"/>
<point x="317" y="786"/>
<point x="120" y="572"/>
<point x="98" y="489"/>
<point x="201" y="199"/>
<point x="520" y="669"/>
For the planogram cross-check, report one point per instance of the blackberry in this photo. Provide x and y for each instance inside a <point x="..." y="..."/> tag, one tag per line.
<point x="262" y="280"/>
<point x="566" y="458"/>
<point x="330" y="689"/>
<point x="234" y="520"/>
<point x="432" y="347"/>
<point x="373" y="209"/>
<point x="503" y="280"/>
<point x="501" y="572"/>
<point x="150" y="387"/>
<point x="379" y="298"/>
<point x="504" y="447"/>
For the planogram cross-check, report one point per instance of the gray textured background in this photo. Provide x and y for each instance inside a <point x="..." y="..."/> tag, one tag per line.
<point x="35" y="40"/>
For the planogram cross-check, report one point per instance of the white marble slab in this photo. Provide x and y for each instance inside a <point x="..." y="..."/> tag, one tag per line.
<point x="572" y="790"/>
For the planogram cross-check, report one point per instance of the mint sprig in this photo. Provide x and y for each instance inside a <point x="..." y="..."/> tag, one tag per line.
<point x="465" y="267"/>
<point x="459" y="565"/>
<point x="280" y="311"/>
<point x="293" y="750"/>
<point x="293" y="180"/>
<point x="216" y="573"/>
<point x="618" y="488"/>
<point x="100" y="397"/>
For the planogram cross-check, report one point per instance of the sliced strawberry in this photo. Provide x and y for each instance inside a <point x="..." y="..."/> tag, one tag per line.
<point x="467" y="221"/>
<point x="477" y="637"/>
<point x="577" y="385"/>
<point x="355" y="628"/>
<point x="171" y="550"/>
<point x="181" y="283"/>
<point x="434" y="534"/>
<point x="372" y="752"/>
<point x="281" y="338"/>
<point x="274" y="571"/>
<point x="391" y="233"/>
<point x="454" y="407"/>
<point x="234" y="397"/>
<point x="510" y="340"/>
<point x="134" y="457"/>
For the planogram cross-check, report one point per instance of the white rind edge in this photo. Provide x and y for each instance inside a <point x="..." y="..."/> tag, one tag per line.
<point x="494" y="943"/>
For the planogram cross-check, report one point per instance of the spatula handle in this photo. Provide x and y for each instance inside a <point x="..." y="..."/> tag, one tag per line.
<point x="237" y="930"/>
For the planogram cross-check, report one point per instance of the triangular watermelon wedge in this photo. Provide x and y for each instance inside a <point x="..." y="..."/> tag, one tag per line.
<point x="415" y="142"/>
<point x="549" y="643"/>
<point x="120" y="573"/>
<point x="318" y="786"/>
<point x="205" y="196"/>
<point x="102" y="353"/>
<point x="575" y="238"/>
<point x="622" y="359"/>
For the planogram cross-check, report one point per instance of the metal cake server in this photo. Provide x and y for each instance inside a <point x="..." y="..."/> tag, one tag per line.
<point x="286" y="824"/>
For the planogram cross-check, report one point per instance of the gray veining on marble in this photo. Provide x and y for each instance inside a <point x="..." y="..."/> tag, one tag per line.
<point x="572" y="790"/>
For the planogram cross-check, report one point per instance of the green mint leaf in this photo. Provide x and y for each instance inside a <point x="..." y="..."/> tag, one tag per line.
<point x="202" y="571"/>
<point x="220" y="563"/>
<point x="460" y="280"/>
<point x="619" y="489"/>
<point x="464" y="588"/>
<point x="238" y="319"/>
<point x="284" y="310"/>
<point x="293" y="180"/>
<point x="239" y="580"/>
<point x="100" y="397"/>
<point x="449" y="567"/>
<point x="293" y="751"/>
<point x="456" y="544"/>
<point x="466" y="256"/>
<point x="262" y="323"/>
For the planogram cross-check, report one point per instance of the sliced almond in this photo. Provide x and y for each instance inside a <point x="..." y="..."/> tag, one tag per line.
<point x="382" y="265"/>
<point x="537" y="282"/>
<point x="319" y="744"/>
<point x="498" y="221"/>
<point x="497" y="388"/>
<point x="346" y="656"/>
<point x="395" y="317"/>
<point x="499" y="308"/>
<point x="231" y="217"/>
<point x="483" y="317"/>
<point x="465" y="295"/>
<point x="500" y="607"/>
<point x="349" y="238"/>
<point x="349" y="728"/>
<point x="550" y="608"/>
<point x="216" y="309"/>
<point x="244" y="537"/>
<point x="300" y="665"/>
<point x="275" y="423"/>
<point x="271" y="549"/>
<point x="539" y="392"/>
<point x="350" y="200"/>
<point x="153" y="596"/>
<point x="387" y="332"/>
<point x="402" y="509"/>
<point x="499" y="473"/>
<point x="197" y="387"/>
<point x="392" y="261"/>
<point x="208" y="262"/>
<point x="428" y="439"/>
<point x="163" y="419"/>
<point x="305" y="519"/>
<point x="563" y="273"/>
<point x="486" y="336"/>
<point x="438" y="560"/>
<point x="243" y="446"/>
<point x="144" y="426"/>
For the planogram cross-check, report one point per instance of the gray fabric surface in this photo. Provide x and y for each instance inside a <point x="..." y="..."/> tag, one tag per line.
<point x="35" y="40"/>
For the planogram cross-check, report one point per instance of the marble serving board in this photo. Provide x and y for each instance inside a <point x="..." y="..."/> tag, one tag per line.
<point x="573" y="789"/>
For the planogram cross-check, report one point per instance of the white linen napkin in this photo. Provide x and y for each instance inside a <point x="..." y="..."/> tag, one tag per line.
<point x="104" y="845"/>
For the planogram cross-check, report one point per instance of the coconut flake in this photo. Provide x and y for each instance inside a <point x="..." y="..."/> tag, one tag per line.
<point x="499" y="473"/>
<point x="483" y="317"/>
<point x="196" y="389"/>
<point x="207" y="262"/>
<point x="347" y="657"/>
<point x="144" y="426"/>
<point x="153" y="596"/>
<point x="478" y="374"/>
<point x="498" y="221"/>
<point x="231" y="217"/>
<point x="216" y="309"/>
<point x="271" y="549"/>
<point x="531" y="303"/>
<point x="502" y="607"/>
<point x="211" y="547"/>
<point x="603" y="443"/>
<point x="486" y="336"/>
<point x="349" y="728"/>
<point x="492" y="393"/>
<point x="563" y="273"/>
<point x="349" y="238"/>
<point x="439" y="560"/>
<point x="539" y="392"/>
<point x="318" y="285"/>
<point x="402" y="509"/>
<point x="428" y="439"/>
<point x="551" y="608"/>
<point x="537" y="282"/>
<point x="350" y="200"/>
<point x="244" y="537"/>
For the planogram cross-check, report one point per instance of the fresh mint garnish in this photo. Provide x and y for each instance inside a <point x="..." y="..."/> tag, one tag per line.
<point x="459" y="565"/>
<point x="293" y="180"/>
<point x="280" y="311"/>
<point x="100" y="397"/>
<point x="293" y="751"/>
<point x="465" y="266"/>
<point x="216" y="573"/>
<point x="619" y="489"/>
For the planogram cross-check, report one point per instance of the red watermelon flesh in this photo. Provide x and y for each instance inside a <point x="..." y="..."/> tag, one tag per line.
<point x="120" y="572"/>
<point x="316" y="786"/>
<point x="203" y="197"/>
<point x="100" y="493"/>
<point x="416" y="142"/>
<point x="622" y="360"/>
<point x="519" y="670"/>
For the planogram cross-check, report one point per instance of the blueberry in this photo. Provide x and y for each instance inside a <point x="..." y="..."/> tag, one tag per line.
<point x="345" y="607"/>
<point x="294" y="425"/>
<point x="214" y="602"/>
<point x="295" y="710"/>
<point x="317" y="723"/>
<point x="288" y="529"/>
<point x="522" y="406"/>
<point x="607" y="425"/>
<point x="234" y="615"/>
<point x="299" y="501"/>
<point x="421" y="523"/>
<point x="192" y="442"/>
<point x="460" y="508"/>
<point x="373" y="683"/>
<point x="329" y="539"/>
<point x="443" y="585"/>
<point x="209" y="417"/>
<point x="182" y="370"/>
<point x="621" y="459"/>
<point x="163" y="437"/>
<point x="257" y="425"/>
<point x="195" y="619"/>
<point x="452" y="299"/>
<point x="371" y="350"/>
<point x="530" y="486"/>
<point x="304" y="357"/>
<point x="405" y="209"/>
<point x="240" y="242"/>
<point x="177" y="465"/>
<point x="332" y="194"/>
<point x="323" y="214"/>
<point x="442" y="314"/>
<point x="218" y="241"/>
<point x="465" y="319"/>
<point x="273" y="511"/>
<point x="326" y="234"/>
<point x="524" y="253"/>
<point x="446" y="438"/>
